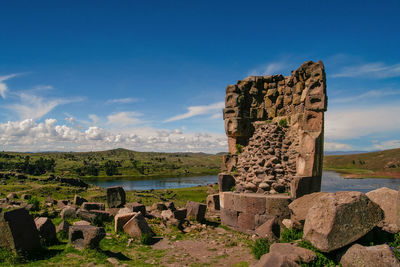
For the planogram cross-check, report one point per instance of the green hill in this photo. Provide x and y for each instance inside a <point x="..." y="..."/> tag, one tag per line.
<point x="374" y="164"/>
<point x="111" y="163"/>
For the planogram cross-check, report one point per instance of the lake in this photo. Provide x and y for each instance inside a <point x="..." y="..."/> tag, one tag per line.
<point x="331" y="182"/>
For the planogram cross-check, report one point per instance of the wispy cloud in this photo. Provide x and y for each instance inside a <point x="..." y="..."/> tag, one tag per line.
<point x="3" y="86"/>
<point x="126" y="100"/>
<point x="355" y="122"/>
<point x="126" y="118"/>
<point x="373" y="94"/>
<point x="198" y="110"/>
<point x="271" y="68"/>
<point x="386" y="144"/>
<point x="377" y="70"/>
<point x="333" y="146"/>
<point x="34" y="107"/>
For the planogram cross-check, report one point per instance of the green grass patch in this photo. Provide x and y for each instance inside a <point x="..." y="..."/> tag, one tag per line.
<point x="260" y="247"/>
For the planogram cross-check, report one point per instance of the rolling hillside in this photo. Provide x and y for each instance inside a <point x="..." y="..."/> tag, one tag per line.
<point x="374" y="164"/>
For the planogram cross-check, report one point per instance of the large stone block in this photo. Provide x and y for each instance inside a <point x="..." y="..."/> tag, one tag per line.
<point x="229" y="217"/>
<point x="86" y="236"/>
<point x="116" y="197"/>
<point x="46" y="229"/>
<point x="225" y="182"/>
<point x="93" y="206"/>
<point x="360" y="256"/>
<point x="213" y="202"/>
<point x="195" y="211"/>
<point x="136" y="207"/>
<point x="137" y="226"/>
<point x="18" y="231"/>
<point x="339" y="219"/>
<point x="299" y="207"/>
<point x="301" y="186"/>
<point x="121" y="219"/>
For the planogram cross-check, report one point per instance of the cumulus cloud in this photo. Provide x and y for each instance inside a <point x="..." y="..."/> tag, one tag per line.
<point x="28" y="135"/>
<point x="198" y="110"/>
<point x="355" y="122"/>
<point x="376" y="70"/>
<point x="126" y="100"/>
<point x="3" y="86"/>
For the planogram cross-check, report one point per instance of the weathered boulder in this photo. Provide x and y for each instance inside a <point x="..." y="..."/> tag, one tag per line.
<point x="195" y="211"/>
<point x="293" y="252"/>
<point x="339" y="219"/>
<point x="124" y="211"/>
<point x="12" y="196"/>
<point x="270" y="229"/>
<point x="86" y="215"/>
<point x="170" y="205"/>
<point x="137" y="226"/>
<point x="81" y="223"/>
<point x="136" y="207"/>
<point x="179" y="215"/>
<point x="62" y="203"/>
<point x="274" y="259"/>
<point x="121" y="219"/>
<point x="18" y="231"/>
<point x="213" y="202"/>
<point x="68" y="212"/>
<point x="78" y="200"/>
<point x="299" y="208"/>
<point x="385" y="198"/>
<point x="115" y="197"/>
<point x="86" y="236"/>
<point x="360" y="256"/>
<point x="102" y="215"/>
<point x="46" y="229"/>
<point x="93" y="206"/>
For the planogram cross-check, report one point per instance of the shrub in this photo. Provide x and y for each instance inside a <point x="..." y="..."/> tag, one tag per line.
<point x="35" y="203"/>
<point x="239" y="148"/>
<point x="290" y="235"/>
<point x="260" y="247"/>
<point x="146" y="239"/>
<point x="321" y="260"/>
<point x="283" y="123"/>
<point x="395" y="246"/>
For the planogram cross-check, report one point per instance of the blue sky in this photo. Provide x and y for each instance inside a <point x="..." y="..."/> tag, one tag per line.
<point x="151" y="75"/>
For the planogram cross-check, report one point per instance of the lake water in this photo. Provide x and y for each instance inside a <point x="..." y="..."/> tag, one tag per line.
<point x="331" y="182"/>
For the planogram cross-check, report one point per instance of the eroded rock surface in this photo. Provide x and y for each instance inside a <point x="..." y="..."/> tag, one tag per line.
<point x="360" y="256"/>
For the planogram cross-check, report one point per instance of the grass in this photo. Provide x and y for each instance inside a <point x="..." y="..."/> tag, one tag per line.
<point x="260" y="247"/>
<point x="130" y="163"/>
<point x="365" y="165"/>
<point x="290" y="235"/>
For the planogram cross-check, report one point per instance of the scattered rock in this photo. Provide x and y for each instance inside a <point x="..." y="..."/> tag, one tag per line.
<point x="81" y="223"/>
<point x="275" y="260"/>
<point x="86" y="236"/>
<point x="136" y="207"/>
<point x="78" y="200"/>
<point x="385" y="198"/>
<point x="195" y="211"/>
<point x="46" y="229"/>
<point x="68" y="212"/>
<point x="121" y="219"/>
<point x="93" y="206"/>
<point x="270" y="229"/>
<point x="115" y="197"/>
<point x="340" y="218"/>
<point x="63" y="227"/>
<point x="360" y="256"/>
<point x="137" y="226"/>
<point x="159" y="206"/>
<point x="299" y="208"/>
<point x="18" y="231"/>
<point x="293" y="252"/>
<point x="12" y="196"/>
<point x="26" y="196"/>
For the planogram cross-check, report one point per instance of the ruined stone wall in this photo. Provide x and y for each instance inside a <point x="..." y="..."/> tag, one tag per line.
<point x="275" y="127"/>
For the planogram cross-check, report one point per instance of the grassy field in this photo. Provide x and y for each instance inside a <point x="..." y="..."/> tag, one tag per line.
<point x="374" y="164"/>
<point x="119" y="163"/>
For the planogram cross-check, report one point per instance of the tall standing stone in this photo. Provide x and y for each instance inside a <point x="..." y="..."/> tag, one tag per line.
<point x="18" y="231"/>
<point x="116" y="197"/>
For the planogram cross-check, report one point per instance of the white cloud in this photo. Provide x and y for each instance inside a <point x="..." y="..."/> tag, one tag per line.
<point x="3" y="86"/>
<point x="377" y="70"/>
<point x="28" y="135"/>
<point x="354" y="122"/>
<point x="370" y="95"/>
<point x="198" y="110"/>
<point x="126" y="100"/>
<point x="95" y="119"/>
<point x="123" y="119"/>
<point x="34" y="107"/>
<point x="277" y="67"/>
<point x="386" y="144"/>
<point x="333" y="146"/>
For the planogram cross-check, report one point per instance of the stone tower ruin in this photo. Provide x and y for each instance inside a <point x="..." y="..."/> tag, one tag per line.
<point x="275" y="129"/>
